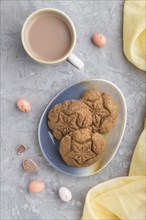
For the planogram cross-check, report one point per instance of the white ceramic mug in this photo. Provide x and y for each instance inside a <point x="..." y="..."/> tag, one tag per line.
<point x="69" y="56"/>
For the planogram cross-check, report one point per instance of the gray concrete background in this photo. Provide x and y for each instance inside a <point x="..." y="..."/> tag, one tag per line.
<point x="22" y="77"/>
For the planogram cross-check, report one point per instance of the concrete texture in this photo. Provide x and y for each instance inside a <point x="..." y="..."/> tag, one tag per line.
<point x="21" y="76"/>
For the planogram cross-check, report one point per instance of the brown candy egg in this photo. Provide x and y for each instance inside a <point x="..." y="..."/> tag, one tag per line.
<point x="21" y="148"/>
<point x="23" y="105"/>
<point x="99" y="39"/>
<point x="29" y="166"/>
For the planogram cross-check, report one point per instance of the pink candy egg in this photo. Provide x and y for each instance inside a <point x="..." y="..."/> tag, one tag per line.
<point x="23" y="105"/>
<point x="99" y="39"/>
<point x="36" y="186"/>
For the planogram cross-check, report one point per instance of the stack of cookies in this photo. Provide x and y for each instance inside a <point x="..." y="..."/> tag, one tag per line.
<point x="80" y="126"/>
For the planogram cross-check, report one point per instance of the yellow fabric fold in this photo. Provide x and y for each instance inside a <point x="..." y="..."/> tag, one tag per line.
<point x="121" y="198"/>
<point x="138" y="163"/>
<point x="134" y="32"/>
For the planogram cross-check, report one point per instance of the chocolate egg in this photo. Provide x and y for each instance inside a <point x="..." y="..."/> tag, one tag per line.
<point x="65" y="194"/>
<point x="21" y="148"/>
<point x="29" y="166"/>
<point x="99" y="39"/>
<point x="36" y="186"/>
<point x="23" y="105"/>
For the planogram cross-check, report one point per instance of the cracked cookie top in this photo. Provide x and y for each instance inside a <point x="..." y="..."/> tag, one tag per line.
<point x="82" y="147"/>
<point x="69" y="116"/>
<point x="103" y="108"/>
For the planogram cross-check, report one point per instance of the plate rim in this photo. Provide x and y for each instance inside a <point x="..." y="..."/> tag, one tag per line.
<point x="120" y="140"/>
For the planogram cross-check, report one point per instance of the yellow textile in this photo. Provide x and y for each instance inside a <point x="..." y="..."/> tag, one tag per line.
<point x="123" y="197"/>
<point x="134" y="32"/>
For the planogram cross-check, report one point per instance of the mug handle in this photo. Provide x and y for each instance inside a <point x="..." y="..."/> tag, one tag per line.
<point x="74" y="60"/>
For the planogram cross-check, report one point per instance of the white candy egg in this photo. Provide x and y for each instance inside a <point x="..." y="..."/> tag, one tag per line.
<point x="65" y="194"/>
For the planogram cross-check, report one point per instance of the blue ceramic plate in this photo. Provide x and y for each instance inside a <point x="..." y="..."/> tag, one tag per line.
<point x="50" y="146"/>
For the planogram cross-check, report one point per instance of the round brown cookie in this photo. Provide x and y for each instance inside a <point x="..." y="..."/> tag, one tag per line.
<point x="69" y="116"/>
<point x="104" y="110"/>
<point x="82" y="147"/>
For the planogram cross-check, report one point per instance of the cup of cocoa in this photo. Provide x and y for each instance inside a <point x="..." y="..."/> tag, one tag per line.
<point x="49" y="37"/>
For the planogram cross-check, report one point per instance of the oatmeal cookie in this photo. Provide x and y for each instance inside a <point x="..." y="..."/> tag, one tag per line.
<point x="103" y="108"/>
<point x="82" y="147"/>
<point x="69" y="116"/>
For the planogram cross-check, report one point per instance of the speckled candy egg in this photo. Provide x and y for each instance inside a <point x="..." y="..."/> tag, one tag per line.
<point x="36" y="186"/>
<point x="23" y="105"/>
<point x="99" y="39"/>
<point x="65" y="194"/>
